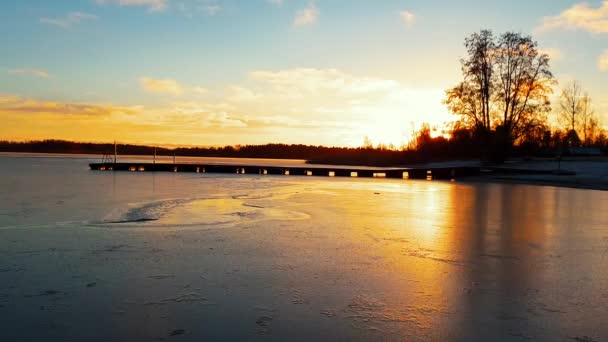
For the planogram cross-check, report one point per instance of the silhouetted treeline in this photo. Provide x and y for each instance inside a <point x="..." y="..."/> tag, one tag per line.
<point x="62" y="146"/>
<point x="462" y="144"/>
<point x="427" y="149"/>
<point x="430" y="149"/>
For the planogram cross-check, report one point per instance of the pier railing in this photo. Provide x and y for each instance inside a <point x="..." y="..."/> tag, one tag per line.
<point x="445" y="173"/>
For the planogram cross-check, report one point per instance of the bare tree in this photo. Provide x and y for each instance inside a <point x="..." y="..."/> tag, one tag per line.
<point x="576" y="113"/>
<point x="505" y="88"/>
<point x="367" y="142"/>
<point x="524" y="85"/>
<point x="570" y="106"/>
<point x="472" y="97"/>
<point x="593" y="130"/>
<point x="588" y="120"/>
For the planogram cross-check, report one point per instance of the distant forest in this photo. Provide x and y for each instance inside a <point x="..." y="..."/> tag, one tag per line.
<point x="463" y="144"/>
<point x="428" y="149"/>
<point x="314" y="154"/>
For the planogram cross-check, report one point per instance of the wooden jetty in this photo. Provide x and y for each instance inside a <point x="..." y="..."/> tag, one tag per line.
<point x="445" y="173"/>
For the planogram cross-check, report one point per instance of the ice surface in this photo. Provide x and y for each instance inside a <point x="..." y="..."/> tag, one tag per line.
<point x="140" y="256"/>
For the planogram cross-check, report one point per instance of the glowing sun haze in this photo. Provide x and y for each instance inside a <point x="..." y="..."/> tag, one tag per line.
<point x="218" y="72"/>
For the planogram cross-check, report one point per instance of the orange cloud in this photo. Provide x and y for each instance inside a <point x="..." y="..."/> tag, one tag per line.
<point x="170" y="87"/>
<point x="32" y="72"/>
<point x="15" y="104"/>
<point x="301" y="105"/>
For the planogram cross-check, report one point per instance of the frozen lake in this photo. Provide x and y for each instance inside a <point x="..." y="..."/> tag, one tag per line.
<point x="187" y="257"/>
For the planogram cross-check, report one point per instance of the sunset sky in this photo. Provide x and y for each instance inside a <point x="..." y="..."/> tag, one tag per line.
<point x="216" y="72"/>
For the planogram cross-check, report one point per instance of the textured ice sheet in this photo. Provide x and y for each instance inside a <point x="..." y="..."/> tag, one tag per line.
<point x="295" y="258"/>
<point x="195" y="213"/>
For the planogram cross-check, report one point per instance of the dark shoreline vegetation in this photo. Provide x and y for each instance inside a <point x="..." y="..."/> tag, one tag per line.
<point x="462" y="145"/>
<point x="504" y="99"/>
<point x="438" y="149"/>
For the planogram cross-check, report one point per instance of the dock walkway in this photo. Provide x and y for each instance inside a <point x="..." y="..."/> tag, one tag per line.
<point x="445" y="173"/>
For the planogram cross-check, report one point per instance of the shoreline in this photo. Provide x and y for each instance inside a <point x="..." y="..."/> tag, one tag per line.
<point x="525" y="180"/>
<point x="574" y="172"/>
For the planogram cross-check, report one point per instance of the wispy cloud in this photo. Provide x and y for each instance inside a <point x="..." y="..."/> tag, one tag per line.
<point x="32" y="72"/>
<point x="579" y="16"/>
<point x="276" y="2"/>
<point x="170" y="87"/>
<point x="241" y="94"/>
<point x="15" y="104"/>
<point x="167" y="86"/>
<point x="307" y="16"/>
<point x="312" y="83"/>
<point x="554" y="54"/>
<point x="290" y="105"/>
<point x="200" y="90"/>
<point x="70" y="19"/>
<point x="190" y="8"/>
<point x="333" y="96"/>
<point x="211" y="9"/>
<point x="408" y="17"/>
<point x="602" y="61"/>
<point x="152" y="5"/>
